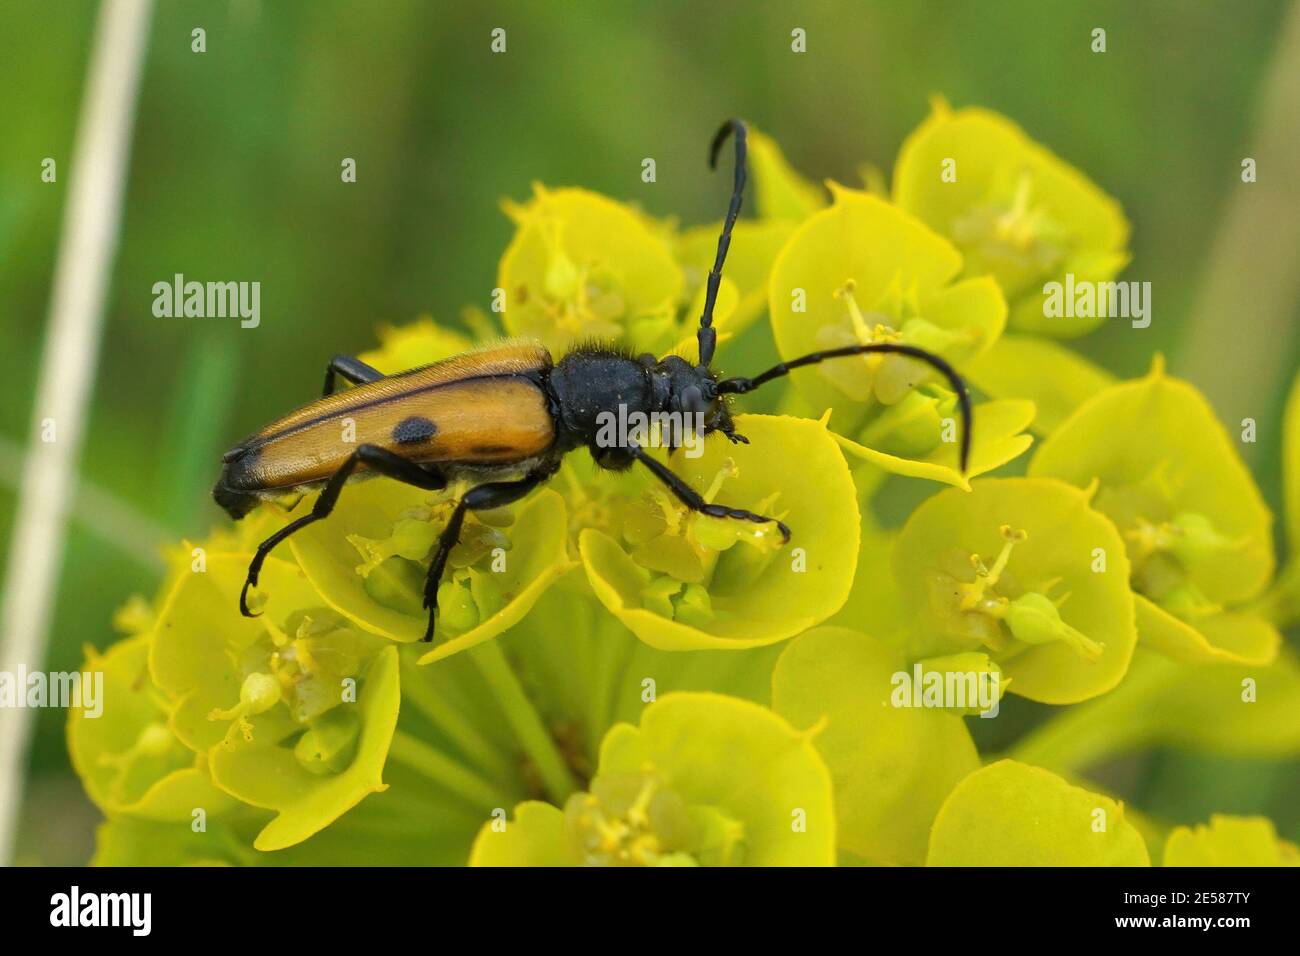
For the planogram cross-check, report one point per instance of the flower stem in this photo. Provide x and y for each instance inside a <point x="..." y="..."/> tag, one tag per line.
<point x="525" y="721"/>
<point x="442" y="713"/>
<point x="614" y="654"/>
<point x="1068" y="743"/>
<point x="1088" y="733"/>
<point x="414" y="753"/>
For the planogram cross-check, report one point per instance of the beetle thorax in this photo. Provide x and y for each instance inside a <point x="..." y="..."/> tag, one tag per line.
<point x="589" y="387"/>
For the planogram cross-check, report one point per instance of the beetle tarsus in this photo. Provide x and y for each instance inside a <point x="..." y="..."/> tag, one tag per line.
<point x="695" y="501"/>
<point x="249" y="582"/>
<point x="740" y="514"/>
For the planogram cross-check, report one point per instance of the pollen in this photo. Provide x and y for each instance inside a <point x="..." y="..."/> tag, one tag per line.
<point x="974" y="595"/>
<point x="635" y="822"/>
<point x="893" y="319"/>
<point x="1021" y="224"/>
<point x="1013" y="234"/>
<point x="990" y="610"/>
<point x="864" y="332"/>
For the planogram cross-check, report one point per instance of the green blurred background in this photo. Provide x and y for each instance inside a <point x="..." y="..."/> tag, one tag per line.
<point x="234" y="175"/>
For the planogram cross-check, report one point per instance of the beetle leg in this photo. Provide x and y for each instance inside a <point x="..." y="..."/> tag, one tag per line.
<point x="349" y="369"/>
<point x="482" y="498"/>
<point x="695" y="501"/>
<point x="378" y="459"/>
<point x="446" y="541"/>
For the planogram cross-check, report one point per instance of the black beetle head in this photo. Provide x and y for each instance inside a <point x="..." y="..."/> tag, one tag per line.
<point x="691" y="391"/>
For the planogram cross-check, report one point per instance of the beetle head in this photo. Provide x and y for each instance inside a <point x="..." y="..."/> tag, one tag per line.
<point x="691" y="391"/>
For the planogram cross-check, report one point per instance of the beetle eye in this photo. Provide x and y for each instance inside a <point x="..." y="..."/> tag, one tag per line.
<point x="692" y="400"/>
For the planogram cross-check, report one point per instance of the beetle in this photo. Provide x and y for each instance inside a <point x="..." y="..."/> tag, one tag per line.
<point x="499" y="420"/>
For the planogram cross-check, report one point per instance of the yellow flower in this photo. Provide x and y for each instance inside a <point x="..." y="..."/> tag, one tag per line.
<point x="1016" y="210"/>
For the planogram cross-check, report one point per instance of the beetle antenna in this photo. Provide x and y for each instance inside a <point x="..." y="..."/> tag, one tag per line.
<point x="738" y="386"/>
<point x="707" y="337"/>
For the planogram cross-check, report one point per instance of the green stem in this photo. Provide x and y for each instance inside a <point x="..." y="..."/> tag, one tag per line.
<point x="415" y="754"/>
<point x="524" y="721"/>
<point x="424" y="811"/>
<point x="614" y="654"/>
<point x="1086" y="733"/>
<point x="443" y="714"/>
<point x="1068" y="744"/>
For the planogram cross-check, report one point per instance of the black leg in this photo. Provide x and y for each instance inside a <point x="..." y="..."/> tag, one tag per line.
<point x="706" y="336"/>
<point x="494" y="495"/>
<point x="349" y="369"/>
<point x="379" y="459"/>
<point x="693" y="500"/>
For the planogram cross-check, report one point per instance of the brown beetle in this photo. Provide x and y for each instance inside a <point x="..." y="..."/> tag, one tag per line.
<point x="502" y="418"/>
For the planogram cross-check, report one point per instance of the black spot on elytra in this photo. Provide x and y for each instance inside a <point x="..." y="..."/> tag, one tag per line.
<point x="414" y="430"/>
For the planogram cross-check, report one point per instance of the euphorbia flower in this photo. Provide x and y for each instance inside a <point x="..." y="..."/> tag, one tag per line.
<point x="892" y="766"/>
<point x="129" y="759"/>
<point x="704" y="779"/>
<point x="685" y="581"/>
<point x="1017" y="211"/>
<point x="619" y="650"/>
<point x="294" y="709"/>
<point x="1230" y="841"/>
<point x="1012" y="814"/>
<point x="1197" y="531"/>
<point x="1025" y="571"/>
<point x="583" y="266"/>
<point x="370" y="559"/>
<point x="479" y="731"/>
<point x="863" y="272"/>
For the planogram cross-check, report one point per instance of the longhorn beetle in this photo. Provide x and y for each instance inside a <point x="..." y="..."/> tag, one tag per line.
<point x="500" y="419"/>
